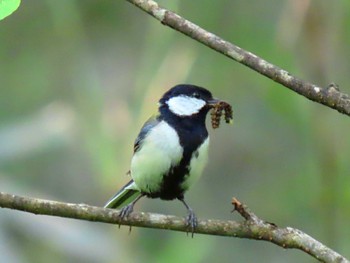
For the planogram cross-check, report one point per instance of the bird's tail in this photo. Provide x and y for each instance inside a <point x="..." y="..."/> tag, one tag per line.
<point x="124" y="196"/>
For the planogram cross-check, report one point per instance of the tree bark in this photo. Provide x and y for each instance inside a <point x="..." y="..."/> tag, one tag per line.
<point x="252" y="227"/>
<point x="329" y="96"/>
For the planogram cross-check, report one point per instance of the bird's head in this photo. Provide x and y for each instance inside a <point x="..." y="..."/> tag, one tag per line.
<point x="188" y="101"/>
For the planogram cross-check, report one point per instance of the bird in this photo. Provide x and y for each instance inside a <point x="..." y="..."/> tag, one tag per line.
<point x="170" y="151"/>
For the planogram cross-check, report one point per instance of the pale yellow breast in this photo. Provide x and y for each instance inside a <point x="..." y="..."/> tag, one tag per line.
<point x="159" y="151"/>
<point x="197" y="164"/>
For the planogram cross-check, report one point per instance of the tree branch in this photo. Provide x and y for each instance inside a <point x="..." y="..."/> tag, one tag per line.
<point x="329" y="96"/>
<point x="251" y="228"/>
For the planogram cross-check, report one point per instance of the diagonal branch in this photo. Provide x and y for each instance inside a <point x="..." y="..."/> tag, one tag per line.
<point x="251" y="228"/>
<point x="329" y="96"/>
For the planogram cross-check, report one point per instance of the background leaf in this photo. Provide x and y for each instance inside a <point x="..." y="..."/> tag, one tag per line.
<point x="7" y="7"/>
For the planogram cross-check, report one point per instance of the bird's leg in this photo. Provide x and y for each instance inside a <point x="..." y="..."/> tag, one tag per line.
<point x="191" y="219"/>
<point x="126" y="210"/>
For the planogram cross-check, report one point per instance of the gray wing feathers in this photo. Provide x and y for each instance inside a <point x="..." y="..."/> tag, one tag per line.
<point x="149" y="124"/>
<point x="130" y="191"/>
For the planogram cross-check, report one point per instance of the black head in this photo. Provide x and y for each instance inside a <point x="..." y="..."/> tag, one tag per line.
<point x="187" y="101"/>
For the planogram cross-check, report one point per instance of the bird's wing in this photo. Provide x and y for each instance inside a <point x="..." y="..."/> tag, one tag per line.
<point x="149" y="124"/>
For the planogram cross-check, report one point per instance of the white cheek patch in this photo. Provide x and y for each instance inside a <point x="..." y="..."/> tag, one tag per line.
<point x="185" y="106"/>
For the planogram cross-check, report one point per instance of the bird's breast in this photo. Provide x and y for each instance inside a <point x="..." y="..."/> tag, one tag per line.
<point x="197" y="163"/>
<point x="159" y="151"/>
<point x="169" y="160"/>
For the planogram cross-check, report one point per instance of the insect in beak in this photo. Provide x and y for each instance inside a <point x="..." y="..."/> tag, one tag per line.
<point x="219" y="108"/>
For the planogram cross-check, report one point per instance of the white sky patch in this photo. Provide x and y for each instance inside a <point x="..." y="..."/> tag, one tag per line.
<point x="184" y="105"/>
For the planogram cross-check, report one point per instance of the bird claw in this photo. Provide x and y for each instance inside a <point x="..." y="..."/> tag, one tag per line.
<point x="191" y="219"/>
<point x="126" y="211"/>
<point x="191" y="222"/>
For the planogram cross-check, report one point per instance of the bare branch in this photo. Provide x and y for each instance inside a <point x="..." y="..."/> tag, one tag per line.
<point x="251" y="228"/>
<point x="329" y="96"/>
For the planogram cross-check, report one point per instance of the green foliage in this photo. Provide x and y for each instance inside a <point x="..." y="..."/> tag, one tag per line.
<point x="78" y="81"/>
<point x="7" y="7"/>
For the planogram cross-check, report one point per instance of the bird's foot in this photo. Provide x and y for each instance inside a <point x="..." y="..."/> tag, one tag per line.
<point x="191" y="219"/>
<point x="191" y="222"/>
<point x="126" y="211"/>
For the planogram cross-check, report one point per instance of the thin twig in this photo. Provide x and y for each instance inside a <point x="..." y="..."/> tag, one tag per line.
<point x="252" y="228"/>
<point x="329" y="96"/>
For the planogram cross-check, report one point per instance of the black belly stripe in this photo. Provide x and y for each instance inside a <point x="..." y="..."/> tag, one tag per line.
<point x="192" y="133"/>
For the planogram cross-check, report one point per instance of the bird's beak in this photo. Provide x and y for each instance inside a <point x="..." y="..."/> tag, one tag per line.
<point x="214" y="101"/>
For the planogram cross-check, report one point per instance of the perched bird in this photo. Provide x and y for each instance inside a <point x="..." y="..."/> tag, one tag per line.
<point x="170" y="151"/>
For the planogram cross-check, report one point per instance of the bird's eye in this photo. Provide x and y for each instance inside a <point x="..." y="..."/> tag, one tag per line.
<point x="196" y="95"/>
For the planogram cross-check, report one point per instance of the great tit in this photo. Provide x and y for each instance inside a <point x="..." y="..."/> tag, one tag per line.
<point x="170" y="151"/>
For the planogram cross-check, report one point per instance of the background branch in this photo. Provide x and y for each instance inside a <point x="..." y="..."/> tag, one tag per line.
<point x="67" y="118"/>
<point x="251" y="228"/>
<point x="329" y="96"/>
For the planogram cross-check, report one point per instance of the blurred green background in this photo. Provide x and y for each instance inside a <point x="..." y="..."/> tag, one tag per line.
<point x="79" y="78"/>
